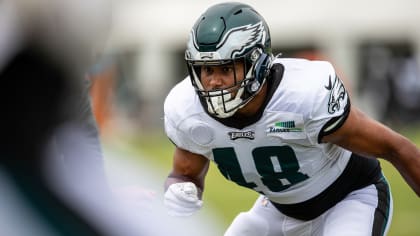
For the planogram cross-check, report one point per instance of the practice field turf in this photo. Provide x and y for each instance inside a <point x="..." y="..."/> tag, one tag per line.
<point x="228" y="199"/>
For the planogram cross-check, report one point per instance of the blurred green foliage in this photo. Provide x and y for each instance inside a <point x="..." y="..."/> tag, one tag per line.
<point x="227" y="199"/>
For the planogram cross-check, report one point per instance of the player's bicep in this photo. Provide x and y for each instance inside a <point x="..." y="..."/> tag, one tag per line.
<point x="362" y="135"/>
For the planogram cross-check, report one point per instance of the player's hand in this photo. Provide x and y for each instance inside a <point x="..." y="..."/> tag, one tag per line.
<point x="181" y="199"/>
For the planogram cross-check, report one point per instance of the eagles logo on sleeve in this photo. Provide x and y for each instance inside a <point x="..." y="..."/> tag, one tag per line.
<point x="338" y="95"/>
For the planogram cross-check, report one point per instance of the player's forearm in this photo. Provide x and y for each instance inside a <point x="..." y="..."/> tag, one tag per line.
<point x="406" y="158"/>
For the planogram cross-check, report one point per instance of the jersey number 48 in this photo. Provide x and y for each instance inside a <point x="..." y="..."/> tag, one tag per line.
<point x="277" y="166"/>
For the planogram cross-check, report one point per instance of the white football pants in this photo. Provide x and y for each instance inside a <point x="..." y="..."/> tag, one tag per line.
<point x="361" y="213"/>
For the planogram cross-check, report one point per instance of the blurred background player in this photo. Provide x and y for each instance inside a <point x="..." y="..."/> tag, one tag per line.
<point x="51" y="165"/>
<point x="41" y="63"/>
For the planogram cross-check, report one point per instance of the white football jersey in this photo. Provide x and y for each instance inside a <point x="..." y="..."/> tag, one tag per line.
<point x="279" y="155"/>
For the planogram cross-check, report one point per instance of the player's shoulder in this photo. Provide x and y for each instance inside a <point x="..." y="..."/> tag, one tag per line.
<point x="179" y="94"/>
<point x="304" y="77"/>
<point x="303" y="84"/>
<point x="313" y="67"/>
<point x="181" y="100"/>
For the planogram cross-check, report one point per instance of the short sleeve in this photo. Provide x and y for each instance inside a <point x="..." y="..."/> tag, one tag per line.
<point x="330" y="108"/>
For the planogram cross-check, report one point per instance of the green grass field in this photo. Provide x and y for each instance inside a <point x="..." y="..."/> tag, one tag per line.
<point x="228" y="199"/>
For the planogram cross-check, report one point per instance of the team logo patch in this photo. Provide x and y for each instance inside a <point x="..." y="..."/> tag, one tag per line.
<point x="337" y="95"/>
<point x="283" y="127"/>
<point x="247" y="134"/>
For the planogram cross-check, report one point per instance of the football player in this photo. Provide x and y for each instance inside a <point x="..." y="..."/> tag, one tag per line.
<point x="282" y="127"/>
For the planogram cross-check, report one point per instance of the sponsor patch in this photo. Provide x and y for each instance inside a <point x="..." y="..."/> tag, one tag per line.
<point x="283" y="127"/>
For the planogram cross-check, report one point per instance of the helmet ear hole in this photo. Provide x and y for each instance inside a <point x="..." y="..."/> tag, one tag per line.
<point x="253" y="87"/>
